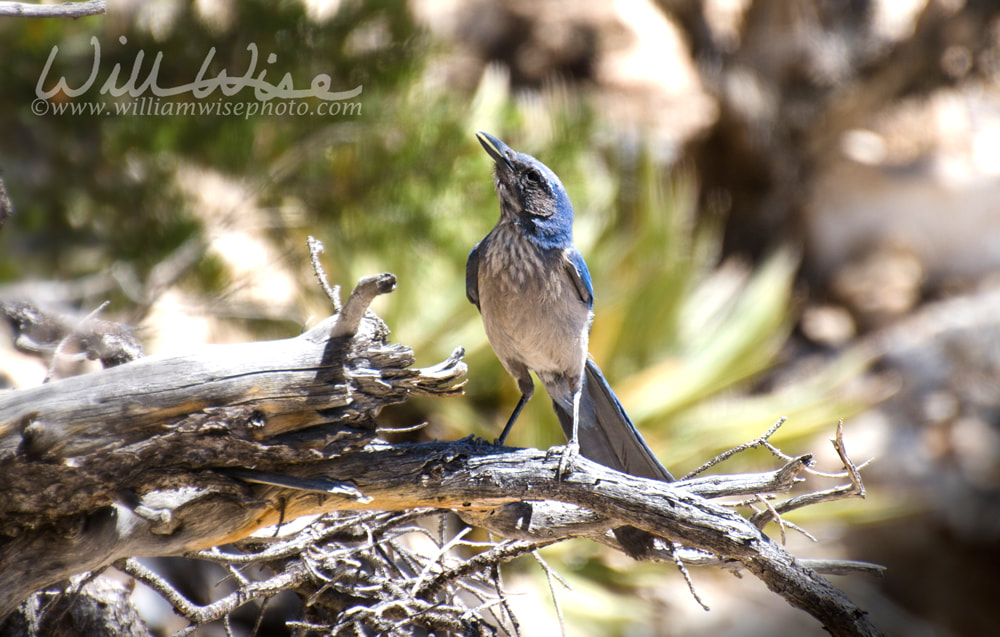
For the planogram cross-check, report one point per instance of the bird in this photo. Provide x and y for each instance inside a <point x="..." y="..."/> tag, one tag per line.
<point x="534" y="292"/>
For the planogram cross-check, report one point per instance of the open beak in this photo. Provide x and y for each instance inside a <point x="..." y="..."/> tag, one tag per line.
<point x="495" y="148"/>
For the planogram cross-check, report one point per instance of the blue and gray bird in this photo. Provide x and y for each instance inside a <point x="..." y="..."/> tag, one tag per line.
<point x="533" y="289"/>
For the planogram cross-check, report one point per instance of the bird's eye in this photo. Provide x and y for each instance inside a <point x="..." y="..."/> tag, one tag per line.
<point x="533" y="176"/>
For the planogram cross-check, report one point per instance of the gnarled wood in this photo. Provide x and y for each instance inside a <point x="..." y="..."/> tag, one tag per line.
<point x="171" y="454"/>
<point x="145" y="458"/>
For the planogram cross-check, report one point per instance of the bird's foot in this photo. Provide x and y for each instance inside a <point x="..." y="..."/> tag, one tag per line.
<point x="568" y="455"/>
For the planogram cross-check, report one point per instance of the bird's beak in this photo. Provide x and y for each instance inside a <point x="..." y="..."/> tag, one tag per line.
<point x="495" y="148"/>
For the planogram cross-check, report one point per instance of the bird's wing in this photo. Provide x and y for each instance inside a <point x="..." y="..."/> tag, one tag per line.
<point x="580" y="275"/>
<point x="472" y="275"/>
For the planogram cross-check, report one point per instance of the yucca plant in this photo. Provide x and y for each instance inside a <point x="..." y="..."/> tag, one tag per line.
<point x="683" y="337"/>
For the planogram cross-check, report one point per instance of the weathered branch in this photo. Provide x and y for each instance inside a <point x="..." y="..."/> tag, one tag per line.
<point x="134" y="460"/>
<point x="66" y="10"/>
<point x="169" y="455"/>
<point x="46" y="332"/>
<point x="471" y="476"/>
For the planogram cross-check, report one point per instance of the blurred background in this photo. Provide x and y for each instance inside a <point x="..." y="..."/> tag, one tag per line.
<point x="788" y="208"/>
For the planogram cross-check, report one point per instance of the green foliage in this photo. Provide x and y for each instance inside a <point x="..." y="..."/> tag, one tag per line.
<point x="403" y="187"/>
<point x="108" y="180"/>
<point x="683" y="339"/>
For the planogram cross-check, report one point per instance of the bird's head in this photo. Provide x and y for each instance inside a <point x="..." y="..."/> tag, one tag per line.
<point x="530" y="194"/>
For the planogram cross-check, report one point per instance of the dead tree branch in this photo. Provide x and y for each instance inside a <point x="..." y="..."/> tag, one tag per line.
<point x="175" y="454"/>
<point x="66" y="10"/>
<point x="46" y="331"/>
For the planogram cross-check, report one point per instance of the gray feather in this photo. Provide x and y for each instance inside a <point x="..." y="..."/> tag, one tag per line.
<point x="607" y="434"/>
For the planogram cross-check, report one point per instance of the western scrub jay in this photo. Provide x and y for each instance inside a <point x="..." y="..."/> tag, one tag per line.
<point x="534" y="292"/>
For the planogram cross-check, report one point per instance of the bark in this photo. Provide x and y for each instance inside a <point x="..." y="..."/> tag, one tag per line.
<point x="173" y="454"/>
<point x="157" y="456"/>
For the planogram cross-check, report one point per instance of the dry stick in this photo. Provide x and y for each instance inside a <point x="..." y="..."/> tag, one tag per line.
<point x="717" y="486"/>
<point x="795" y="527"/>
<point x="307" y="627"/>
<point x="437" y="561"/>
<point x="332" y="293"/>
<point x="760" y="519"/>
<point x="799" y="463"/>
<point x="497" y="578"/>
<point x="749" y="502"/>
<point x="843" y="567"/>
<point x="762" y="441"/>
<point x="164" y="588"/>
<point x="41" y="331"/>
<point x="288" y="579"/>
<point x="505" y="618"/>
<point x="757" y="442"/>
<point x="66" y="10"/>
<point x="399" y="597"/>
<point x="410" y="562"/>
<point x="402" y="430"/>
<point x="686" y="575"/>
<point x="852" y="471"/>
<point x="550" y="575"/>
<point x="503" y="552"/>
<point x="776" y="517"/>
<point x="844" y="474"/>
<point x="62" y="343"/>
<point x="855" y="489"/>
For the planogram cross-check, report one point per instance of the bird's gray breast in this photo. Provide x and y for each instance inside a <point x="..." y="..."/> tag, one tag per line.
<point x="531" y="309"/>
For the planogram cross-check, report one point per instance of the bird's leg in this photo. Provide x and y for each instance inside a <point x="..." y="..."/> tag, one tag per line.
<point x="527" y="387"/>
<point x="510" y="421"/>
<point x="572" y="448"/>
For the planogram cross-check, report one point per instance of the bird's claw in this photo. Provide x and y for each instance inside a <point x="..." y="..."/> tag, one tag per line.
<point x="568" y="454"/>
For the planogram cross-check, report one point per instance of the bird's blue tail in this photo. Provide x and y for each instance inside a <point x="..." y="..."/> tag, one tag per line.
<point x="607" y="435"/>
